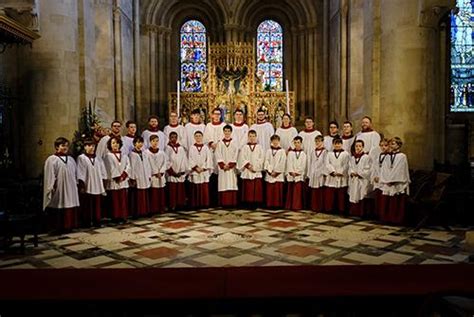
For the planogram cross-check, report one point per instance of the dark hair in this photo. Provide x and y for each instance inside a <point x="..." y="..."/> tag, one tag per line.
<point x="153" y="137"/>
<point x="129" y="122"/>
<point x="59" y="141"/>
<point x="227" y="127"/>
<point x="137" y="139"/>
<point x="360" y="141"/>
<point x="89" y="141"/>
<point x="397" y="140"/>
<point x="238" y="110"/>
<point x="319" y="137"/>
<point x="309" y="118"/>
<point x="335" y="123"/>
<point x="275" y="137"/>
<point x="337" y="141"/>
<point x="198" y="132"/>
<point x="367" y="117"/>
<point x="173" y="133"/>
<point x="348" y="122"/>
<point x="298" y="138"/>
<point x="217" y="109"/>
<point x="116" y="138"/>
<point x="196" y="111"/>
<point x="287" y="115"/>
<point x="260" y="110"/>
<point x="252" y="132"/>
<point x="153" y="117"/>
<point x="115" y="121"/>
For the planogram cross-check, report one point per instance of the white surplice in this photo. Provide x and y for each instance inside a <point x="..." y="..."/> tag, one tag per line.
<point x="60" y="185"/>
<point x="226" y="152"/>
<point x="115" y="165"/>
<point x="91" y="171"/>
<point x="286" y="137"/>
<point x="264" y="131"/>
<point x="140" y="170"/>
<point x="338" y="163"/>
<point x="200" y="156"/>
<point x="158" y="164"/>
<point x="275" y="161"/>
<point x="251" y="154"/>
<point x="359" y="186"/>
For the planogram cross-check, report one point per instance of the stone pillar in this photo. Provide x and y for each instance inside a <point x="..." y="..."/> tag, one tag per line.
<point x="51" y="92"/>
<point x="154" y="51"/>
<point x="136" y="56"/>
<point x="407" y="78"/>
<point x="302" y="70"/>
<point x="119" y="113"/>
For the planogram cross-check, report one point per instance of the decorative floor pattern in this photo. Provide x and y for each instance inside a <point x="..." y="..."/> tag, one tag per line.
<point x="217" y="238"/>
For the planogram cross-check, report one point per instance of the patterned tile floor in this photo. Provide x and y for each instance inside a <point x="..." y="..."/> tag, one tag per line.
<point x="216" y="238"/>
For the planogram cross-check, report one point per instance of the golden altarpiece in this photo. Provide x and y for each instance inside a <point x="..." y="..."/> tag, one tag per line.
<point x="232" y="83"/>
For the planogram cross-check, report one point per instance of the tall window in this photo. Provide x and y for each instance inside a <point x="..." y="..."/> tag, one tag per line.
<point x="270" y="55"/>
<point x="193" y="55"/>
<point x="462" y="59"/>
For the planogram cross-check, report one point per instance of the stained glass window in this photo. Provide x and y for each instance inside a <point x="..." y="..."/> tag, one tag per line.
<point x="193" y="55"/>
<point x="270" y="55"/>
<point x="462" y="59"/>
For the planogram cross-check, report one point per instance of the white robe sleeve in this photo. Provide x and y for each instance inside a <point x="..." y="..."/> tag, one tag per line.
<point x="48" y="181"/>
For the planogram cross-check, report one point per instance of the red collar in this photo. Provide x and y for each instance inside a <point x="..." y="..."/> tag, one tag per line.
<point x="347" y="137"/>
<point x="218" y="123"/>
<point x="239" y="124"/>
<point x="60" y="154"/>
<point x="113" y="134"/>
<point x="275" y="148"/>
<point x="153" y="129"/>
<point x="309" y="130"/>
<point x="227" y="140"/>
<point x="116" y="152"/>
<point x="250" y="143"/>
<point x="152" y="150"/>
<point x="136" y="151"/>
<point x="130" y="136"/>
<point x="173" y="144"/>
<point x="261" y="121"/>
<point x="195" y="123"/>
<point x="174" y="125"/>
<point x="282" y="127"/>
<point x="359" y="155"/>
<point x="367" y="130"/>
<point x="198" y="145"/>
<point x="89" y="155"/>
<point x="336" y="151"/>
<point x="295" y="150"/>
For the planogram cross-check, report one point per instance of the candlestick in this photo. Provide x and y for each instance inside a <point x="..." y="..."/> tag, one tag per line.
<point x="287" y="97"/>
<point x="178" y="84"/>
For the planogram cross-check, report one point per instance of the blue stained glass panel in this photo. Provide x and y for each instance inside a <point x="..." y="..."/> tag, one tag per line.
<point x="270" y="55"/>
<point x="193" y="55"/>
<point x="462" y="59"/>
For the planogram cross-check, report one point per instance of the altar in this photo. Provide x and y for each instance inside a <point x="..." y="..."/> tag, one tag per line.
<point x="230" y="83"/>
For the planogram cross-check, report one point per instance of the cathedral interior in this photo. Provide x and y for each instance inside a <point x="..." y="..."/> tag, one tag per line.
<point x="407" y="64"/>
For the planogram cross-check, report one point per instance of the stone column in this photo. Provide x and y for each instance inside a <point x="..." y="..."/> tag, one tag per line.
<point x="119" y="113"/>
<point x="136" y="56"/>
<point x="302" y="69"/>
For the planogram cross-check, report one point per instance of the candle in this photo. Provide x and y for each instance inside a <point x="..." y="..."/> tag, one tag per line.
<point x="178" y="84"/>
<point x="287" y="97"/>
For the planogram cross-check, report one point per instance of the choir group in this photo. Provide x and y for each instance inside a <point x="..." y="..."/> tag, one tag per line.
<point x="182" y="167"/>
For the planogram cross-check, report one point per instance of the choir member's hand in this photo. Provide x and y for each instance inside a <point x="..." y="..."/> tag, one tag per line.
<point x="339" y="174"/>
<point x="296" y="174"/>
<point x="104" y="181"/>
<point x="132" y="182"/>
<point x="353" y="175"/>
<point x="117" y="179"/>
<point x="376" y="179"/>
<point x="332" y="173"/>
<point x="275" y="174"/>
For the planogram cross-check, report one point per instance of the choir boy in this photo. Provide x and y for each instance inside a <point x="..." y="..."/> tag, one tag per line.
<point x="378" y="156"/>
<point x="308" y="135"/>
<point x="140" y="179"/>
<point x="296" y="163"/>
<point x="333" y="134"/>
<point x="192" y="126"/>
<point x="213" y="132"/>
<point x="359" y="180"/>
<point x="317" y="170"/>
<point x="286" y="132"/>
<point x="239" y="129"/>
<point x="347" y="136"/>
<point x="60" y="196"/>
<point x="274" y="166"/>
<point x="174" y="126"/>
<point x="128" y="139"/>
<point x="158" y="161"/>
<point x="176" y="173"/>
<point x="337" y="178"/>
<point x="264" y="130"/>
<point x="153" y="122"/>
<point x="226" y="155"/>
<point x="91" y="176"/>
<point x="118" y="169"/>
<point x="250" y="165"/>
<point x="394" y="183"/>
<point x="200" y="165"/>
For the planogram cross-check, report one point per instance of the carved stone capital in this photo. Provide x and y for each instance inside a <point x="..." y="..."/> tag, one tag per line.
<point x="431" y="12"/>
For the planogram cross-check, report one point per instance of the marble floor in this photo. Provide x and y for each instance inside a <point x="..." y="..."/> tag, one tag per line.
<point x="221" y="238"/>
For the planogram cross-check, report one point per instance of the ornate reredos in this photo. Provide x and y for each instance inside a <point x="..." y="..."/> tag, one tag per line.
<point x="232" y="83"/>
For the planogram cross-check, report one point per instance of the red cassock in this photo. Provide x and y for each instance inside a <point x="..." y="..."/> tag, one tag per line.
<point x="252" y="190"/>
<point x="177" y="195"/>
<point x="335" y="199"/>
<point x="317" y="199"/>
<point x="157" y="200"/>
<point x="199" y="196"/>
<point x="91" y="209"/>
<point x="139" y="205"/>
<point x="295" y="195"/>
<point x="118" y="203"/>
<point x="63" y="219"/>
<point x="274" y="194"/>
